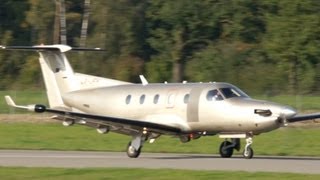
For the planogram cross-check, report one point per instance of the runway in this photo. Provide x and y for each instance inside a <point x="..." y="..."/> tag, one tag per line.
<point x="78" y="159"/>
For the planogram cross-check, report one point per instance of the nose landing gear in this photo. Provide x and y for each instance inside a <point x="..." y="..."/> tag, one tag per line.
<point x="248" y="151"/>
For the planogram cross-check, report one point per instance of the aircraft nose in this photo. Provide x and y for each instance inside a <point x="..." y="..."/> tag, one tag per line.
<point x="288" y="112"/>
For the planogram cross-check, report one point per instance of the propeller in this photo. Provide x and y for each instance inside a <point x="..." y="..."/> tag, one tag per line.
<point x="286" y="112"/>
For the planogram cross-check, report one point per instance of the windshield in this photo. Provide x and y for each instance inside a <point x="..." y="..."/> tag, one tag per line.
<point x="231" y="92"/>
<point x="214" y="95"/>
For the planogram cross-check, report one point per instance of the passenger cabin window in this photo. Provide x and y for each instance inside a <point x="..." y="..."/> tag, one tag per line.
<point x="214" y="95"/>
<point x="128" y="99"/>
<point x="232" y="92"/>
<point x="142" y="99"/>
<point x="156" y="99"/>
<point x="186" y="98"/>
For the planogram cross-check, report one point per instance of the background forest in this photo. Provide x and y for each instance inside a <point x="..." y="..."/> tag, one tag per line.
<point x="266" y="47"/>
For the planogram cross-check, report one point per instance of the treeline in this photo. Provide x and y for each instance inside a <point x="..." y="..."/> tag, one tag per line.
<point x="265" y="47"/>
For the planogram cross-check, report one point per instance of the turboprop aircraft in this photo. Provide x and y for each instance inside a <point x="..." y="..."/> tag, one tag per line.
<point x="146" y="111"/>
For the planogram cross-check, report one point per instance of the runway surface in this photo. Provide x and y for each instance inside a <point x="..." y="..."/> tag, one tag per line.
<point x="78" y="159"/>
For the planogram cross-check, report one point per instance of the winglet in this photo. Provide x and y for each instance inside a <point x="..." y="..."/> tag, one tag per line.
<point x="143" y="80"/>
<point x="10" y="102"/>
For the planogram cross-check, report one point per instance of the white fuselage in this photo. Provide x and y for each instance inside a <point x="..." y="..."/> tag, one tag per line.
<point x="179" y="105"/>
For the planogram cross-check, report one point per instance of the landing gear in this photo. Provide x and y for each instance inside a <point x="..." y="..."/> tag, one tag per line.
<point x="135" y="145"/>
<point x="132" y="152"/>
<point x="227" y="147"/>
<point x="226" y="150"/>
<point x="248" y="151"/>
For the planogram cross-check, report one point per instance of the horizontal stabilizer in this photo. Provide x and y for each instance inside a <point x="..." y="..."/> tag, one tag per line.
<point x="56" y="47"/>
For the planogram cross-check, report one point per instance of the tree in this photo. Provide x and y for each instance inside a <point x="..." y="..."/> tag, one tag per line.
<point x="177" y="28"/>
<point x="292" y="42"/>
<point x="118" y="27"/>
<point x="85" y="23"/>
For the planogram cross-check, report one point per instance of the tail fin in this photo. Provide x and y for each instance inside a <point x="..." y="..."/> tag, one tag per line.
<point x="58" y="74"/>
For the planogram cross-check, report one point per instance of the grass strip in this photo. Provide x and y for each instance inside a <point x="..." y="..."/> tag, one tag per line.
<point x="143" y="174"/>
<point x="53" y="136"/>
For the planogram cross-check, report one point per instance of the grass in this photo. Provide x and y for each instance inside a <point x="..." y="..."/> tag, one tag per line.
<point x="143" y="174"/>
<point x="53" y="136"/>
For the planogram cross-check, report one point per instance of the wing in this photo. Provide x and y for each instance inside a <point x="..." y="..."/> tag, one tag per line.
<point x="304" y="117"/>
<point x="119" y="125"/>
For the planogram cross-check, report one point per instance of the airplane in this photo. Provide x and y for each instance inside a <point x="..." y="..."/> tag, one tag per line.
<point x="146" y="111"/>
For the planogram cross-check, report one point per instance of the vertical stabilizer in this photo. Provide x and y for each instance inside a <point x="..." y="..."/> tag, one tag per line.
<point x="57" y="73"/>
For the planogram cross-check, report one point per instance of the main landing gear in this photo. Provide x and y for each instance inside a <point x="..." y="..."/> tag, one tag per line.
<point x="135" y="145"/>
<point x="227" y="147"/>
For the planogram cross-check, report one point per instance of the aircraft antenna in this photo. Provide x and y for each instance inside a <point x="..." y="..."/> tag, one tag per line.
<point x="143" y="80"/>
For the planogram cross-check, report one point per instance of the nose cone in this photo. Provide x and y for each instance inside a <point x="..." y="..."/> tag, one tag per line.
<point x="288" y="112"/>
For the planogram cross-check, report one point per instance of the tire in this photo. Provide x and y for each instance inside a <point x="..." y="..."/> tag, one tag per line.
<point x="226" y="152"/>
<point x="132" y="152"/>
<point x="249" y="153"/>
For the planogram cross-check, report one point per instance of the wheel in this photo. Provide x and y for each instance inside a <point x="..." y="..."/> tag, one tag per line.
<point x="185" y="139"/>
<point x="132" y="152"/>
<point x="226" y="151"/>
<point x="249" y="153"/>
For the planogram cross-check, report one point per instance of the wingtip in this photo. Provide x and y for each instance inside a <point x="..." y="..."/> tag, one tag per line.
<point x="9" y="101"/>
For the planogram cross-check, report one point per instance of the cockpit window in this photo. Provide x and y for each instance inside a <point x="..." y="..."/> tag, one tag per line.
<point x="232" y="92"/>
<point x="214" y="95"/>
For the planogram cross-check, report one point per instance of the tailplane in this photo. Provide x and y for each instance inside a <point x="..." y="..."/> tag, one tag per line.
<point x="58" y="74"/>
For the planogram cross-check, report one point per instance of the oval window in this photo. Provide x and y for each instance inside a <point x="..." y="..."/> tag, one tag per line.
<point x="142" y="99"/>
<point x="128" y="99"/>
<point x="156" y="99"/>
<point x="186" y="98"/>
